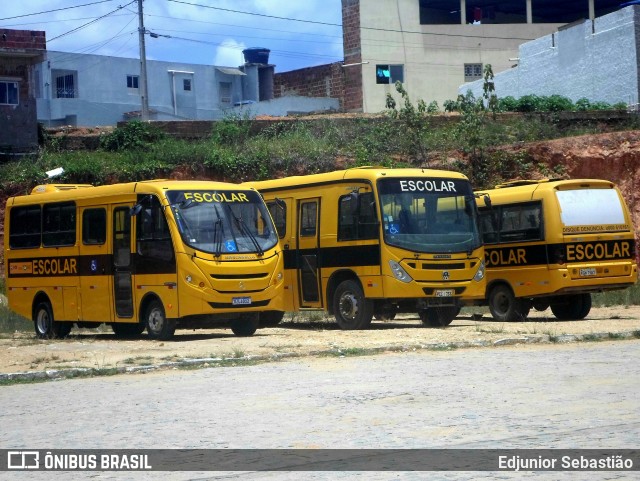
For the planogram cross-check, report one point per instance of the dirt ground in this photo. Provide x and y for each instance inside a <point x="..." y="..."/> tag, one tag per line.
<point x="309" y="335"/>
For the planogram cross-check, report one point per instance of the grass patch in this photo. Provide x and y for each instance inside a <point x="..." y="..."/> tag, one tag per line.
<point x="11" y="322"/>
<point x="616" y="336"/>
<point x="590" y="338"/>
<point x="348" y="352"/>
<point x="490" y="329"/>
<point x="624" y="297"/>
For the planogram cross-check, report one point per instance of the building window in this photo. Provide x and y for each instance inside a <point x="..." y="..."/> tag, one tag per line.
<point x="8" y="93"/>
<point x="225" y="92"/>
<point x="65" y="87"/>
<point x="472" y="71"/>
<point x="389" y="74"/>
<point x="187" y="84"/>
<point x="132" y="81"/>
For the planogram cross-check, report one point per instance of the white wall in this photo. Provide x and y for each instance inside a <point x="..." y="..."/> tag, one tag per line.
<point x="577" y="63"/>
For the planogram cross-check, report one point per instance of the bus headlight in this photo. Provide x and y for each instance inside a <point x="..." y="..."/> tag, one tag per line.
<point x="399" y="273"/>
<point x="479" y="273"/>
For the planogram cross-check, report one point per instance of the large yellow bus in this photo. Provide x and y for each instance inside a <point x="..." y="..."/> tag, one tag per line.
<point x="151" y="255"/>
<point x="553" y="243"/>
<point x="368" y="242"/>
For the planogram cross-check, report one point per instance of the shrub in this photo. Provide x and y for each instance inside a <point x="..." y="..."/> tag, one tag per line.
<point x="134" y="135"/>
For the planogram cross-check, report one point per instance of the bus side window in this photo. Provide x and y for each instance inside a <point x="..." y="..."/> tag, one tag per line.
<point x="25" y="227"/>
<point x="279" y="215"/>
<point x="521" y="223"/>
<point x="59" y="224"/>
<point x="357" y="222"/>
<point x="94" y="226"/>
<point x="152" y="232"/>
<point x="488" y="227"/>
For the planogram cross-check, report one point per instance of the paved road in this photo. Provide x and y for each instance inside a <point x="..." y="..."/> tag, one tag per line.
<point x="581" y="395"/>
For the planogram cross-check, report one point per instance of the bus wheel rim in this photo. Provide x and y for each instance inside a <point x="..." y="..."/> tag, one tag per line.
<point x="349" y="306"/>
<point x="43" y="321"/>
<point x="155" y="319"/>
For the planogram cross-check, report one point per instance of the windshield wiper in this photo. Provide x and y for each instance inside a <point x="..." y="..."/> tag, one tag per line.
<point x="244" y="228"/>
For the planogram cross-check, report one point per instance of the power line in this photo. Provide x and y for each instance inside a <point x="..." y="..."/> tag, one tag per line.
<point x="55" y="10"/>
<point x="92" y="21"/>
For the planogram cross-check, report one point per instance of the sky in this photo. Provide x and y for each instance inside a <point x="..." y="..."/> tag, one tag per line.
<point x="211" y="32"/>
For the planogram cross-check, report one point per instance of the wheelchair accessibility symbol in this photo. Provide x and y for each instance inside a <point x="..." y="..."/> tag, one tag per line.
<point x="94" y="265"/>
<point x="393" y="229"/>
<point x="230" y="246"/>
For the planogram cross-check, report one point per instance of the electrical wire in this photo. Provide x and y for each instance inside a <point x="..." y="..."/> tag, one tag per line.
<point x="91" y="22"/>
<point x="55" y="10"/>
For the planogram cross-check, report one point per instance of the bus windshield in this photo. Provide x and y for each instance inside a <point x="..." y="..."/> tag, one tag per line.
<point x="429" y="214"/>
<point x="223" y="222"/>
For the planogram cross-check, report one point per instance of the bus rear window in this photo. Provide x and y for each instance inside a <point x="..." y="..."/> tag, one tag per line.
<point x="588" y="207"/>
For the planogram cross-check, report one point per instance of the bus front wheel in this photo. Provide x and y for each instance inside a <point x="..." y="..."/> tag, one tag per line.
<point x="46" y="326"/>
<point x="351" y="308"/>
<point x="158" y="326"/>
<point x="245" y="326"/>
<point x="505" y="307"/>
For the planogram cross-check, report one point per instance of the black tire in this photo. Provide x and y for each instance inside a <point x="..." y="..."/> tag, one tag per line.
<point x="586" y="306"/>
<point x="505" y="307"/>
<point x="158" y="326"/>
<point x="571" y="308"/>
<point x="46" y="326"/>
<point x="245" y="326"/>
<point x="127" y="330"/>
<point x="385" y="314"/>
<point x="351" y="309"/>
<point x="439" y="316"/>
<point x="271" y="318"/>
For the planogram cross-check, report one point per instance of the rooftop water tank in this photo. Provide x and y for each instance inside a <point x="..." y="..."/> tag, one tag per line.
<point x="256" y="55"/>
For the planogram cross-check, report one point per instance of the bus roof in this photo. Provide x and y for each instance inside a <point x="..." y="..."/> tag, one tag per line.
<point x="354" y="174"/>
<point x="68" y="192"/>
<point x="523" y="190"/>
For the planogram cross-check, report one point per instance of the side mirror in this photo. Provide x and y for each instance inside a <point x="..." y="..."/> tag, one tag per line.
<point x="281" y="204"/>
<point x="353" y="199"/>
<point x="487" y="200"/>
<point x="135" y="210"/>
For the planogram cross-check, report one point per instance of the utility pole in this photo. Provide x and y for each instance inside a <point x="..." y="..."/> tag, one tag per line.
<point x="143" y="65"/>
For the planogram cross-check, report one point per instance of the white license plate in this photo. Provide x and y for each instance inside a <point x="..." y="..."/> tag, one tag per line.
<point x="240" y="301"/>
<point x="444" y="293"/>
<point x="589" y="271"/>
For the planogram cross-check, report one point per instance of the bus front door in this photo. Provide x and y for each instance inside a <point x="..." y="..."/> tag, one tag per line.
<point x="122" y="265"/>
<point x="307" y="257"/>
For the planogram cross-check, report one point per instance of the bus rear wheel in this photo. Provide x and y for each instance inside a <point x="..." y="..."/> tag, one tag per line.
<point x="505" y="307"/>
<point x="440" y="316"/>
<point x="572" y="308"/>
<point x="351" y="308"/>
<point x="246" y="325"/>
<point x="46" y="326"/>
<point x="158" y="326"/>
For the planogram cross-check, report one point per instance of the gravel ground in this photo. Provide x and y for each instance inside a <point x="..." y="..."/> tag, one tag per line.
<point x="86" y="351"/>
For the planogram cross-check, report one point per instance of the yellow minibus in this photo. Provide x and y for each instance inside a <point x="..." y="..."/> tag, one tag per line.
<point x="152" y="255"/>
<point x="551" y="243"/>
<point x="368" y="242"/>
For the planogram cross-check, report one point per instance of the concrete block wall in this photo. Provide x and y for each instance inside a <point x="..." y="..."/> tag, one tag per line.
<point x="22" y="39"/>
<point x="321" y="81"/>
<point x="353" y="97"/>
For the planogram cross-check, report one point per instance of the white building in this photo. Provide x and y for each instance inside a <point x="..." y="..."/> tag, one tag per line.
<point x="91" y="90"/>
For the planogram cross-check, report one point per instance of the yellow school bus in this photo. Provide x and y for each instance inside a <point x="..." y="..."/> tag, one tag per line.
<point x="368" y="242"/>
<point x="151" y="255"/>
<point x="552" y="243"/>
